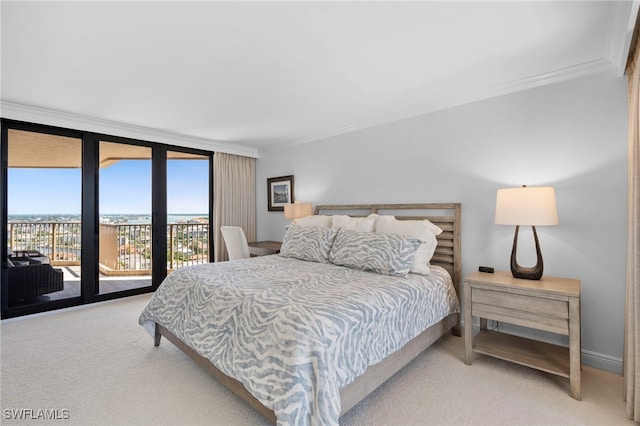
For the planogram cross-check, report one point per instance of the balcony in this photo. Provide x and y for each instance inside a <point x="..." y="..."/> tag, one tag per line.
<point x="125" y="249"/>
<point x="124" y="259"/>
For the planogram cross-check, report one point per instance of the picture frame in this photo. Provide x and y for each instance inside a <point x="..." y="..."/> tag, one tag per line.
<point x="280" y="192"/>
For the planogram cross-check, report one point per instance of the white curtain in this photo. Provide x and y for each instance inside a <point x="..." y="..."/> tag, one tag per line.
<point x="632" y="309"/>
<point x="234" y="198"/>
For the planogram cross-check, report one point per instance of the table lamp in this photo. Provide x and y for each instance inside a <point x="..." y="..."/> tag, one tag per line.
<point x="535" y="206"/>
<point x="297" y="210"/>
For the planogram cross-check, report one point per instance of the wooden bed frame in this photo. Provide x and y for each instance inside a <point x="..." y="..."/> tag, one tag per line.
<point x="447" y="255"/>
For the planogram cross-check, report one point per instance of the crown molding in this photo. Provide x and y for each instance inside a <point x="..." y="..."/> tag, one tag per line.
<point x="569" y="73"/>
<point x="622" y="21"/>
<point x="28" y="113"/>
<point x="21" y="112"/>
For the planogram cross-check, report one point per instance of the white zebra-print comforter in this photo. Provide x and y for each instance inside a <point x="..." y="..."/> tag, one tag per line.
<point x="295" y="332"/>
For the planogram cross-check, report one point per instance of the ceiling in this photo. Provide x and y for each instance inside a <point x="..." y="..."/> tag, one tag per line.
<point x="242" y="77"/>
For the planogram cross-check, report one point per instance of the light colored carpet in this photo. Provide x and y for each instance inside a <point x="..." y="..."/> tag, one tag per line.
<point x="97" y="363"/>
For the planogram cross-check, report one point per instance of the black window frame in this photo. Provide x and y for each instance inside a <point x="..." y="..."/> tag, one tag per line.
<point x="90" y="214"/>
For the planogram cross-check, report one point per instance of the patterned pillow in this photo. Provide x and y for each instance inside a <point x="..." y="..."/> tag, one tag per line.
<point x="385" y="254"/>
<point x="311" y="243"/>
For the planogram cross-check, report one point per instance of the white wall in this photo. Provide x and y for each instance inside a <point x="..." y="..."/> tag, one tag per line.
<point x="570" y="135"/>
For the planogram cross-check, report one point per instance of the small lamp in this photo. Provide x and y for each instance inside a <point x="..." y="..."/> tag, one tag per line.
<point x="297" y="210"/>
<point x="526" y="206"/>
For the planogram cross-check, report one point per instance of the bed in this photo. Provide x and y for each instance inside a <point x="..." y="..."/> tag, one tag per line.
<point x="304" y="341"/>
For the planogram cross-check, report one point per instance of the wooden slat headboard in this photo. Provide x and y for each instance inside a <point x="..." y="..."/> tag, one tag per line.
<point x="445" y="215"/>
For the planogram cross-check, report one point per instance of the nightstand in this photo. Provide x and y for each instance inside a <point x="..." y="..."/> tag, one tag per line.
<point x="550" y="304"/>
<point x="264" y="248"/>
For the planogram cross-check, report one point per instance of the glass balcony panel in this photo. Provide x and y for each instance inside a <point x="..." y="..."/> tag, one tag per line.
<point x="187" y="209"/>
<point x="44" y="183"/>
<point x="124" y="252"/>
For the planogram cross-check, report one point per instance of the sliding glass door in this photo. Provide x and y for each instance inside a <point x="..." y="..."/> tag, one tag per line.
<point x="43" y="229"/>
<point x="124" y="255"/>
<point x="87" y="217"/>
<point x="187" y="209"/>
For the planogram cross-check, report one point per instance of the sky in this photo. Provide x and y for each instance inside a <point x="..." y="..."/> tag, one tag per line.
<point x="125" y="188"/>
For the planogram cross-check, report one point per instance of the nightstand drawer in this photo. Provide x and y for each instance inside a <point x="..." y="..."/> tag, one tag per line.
<point x="545" y="314"/>
<point x="534" y="305"/>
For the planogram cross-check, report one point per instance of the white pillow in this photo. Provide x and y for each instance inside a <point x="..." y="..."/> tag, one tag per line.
<point x="423" y="230"/>
<point x="421" y="262"/>
<point x="314" y="220"/>
<point x="359" y="224"/>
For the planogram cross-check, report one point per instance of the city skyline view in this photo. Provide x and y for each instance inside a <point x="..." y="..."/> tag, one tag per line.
<point x="125" y="189"/>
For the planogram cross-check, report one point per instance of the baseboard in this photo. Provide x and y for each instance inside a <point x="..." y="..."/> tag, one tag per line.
<point x="602" y="361"/>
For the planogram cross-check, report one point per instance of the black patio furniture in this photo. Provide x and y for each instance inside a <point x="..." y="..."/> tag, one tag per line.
<point x="29" y="278"/>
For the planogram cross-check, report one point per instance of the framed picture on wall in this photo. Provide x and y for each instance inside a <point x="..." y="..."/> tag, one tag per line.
<point x="280" y="190"/>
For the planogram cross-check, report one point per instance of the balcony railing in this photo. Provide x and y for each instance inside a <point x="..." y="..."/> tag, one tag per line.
<point x="59" y="241"/>
<point x="124" y="249"/>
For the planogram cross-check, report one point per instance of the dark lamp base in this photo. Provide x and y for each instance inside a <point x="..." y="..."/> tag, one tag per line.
<point x="527" y="273"/>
